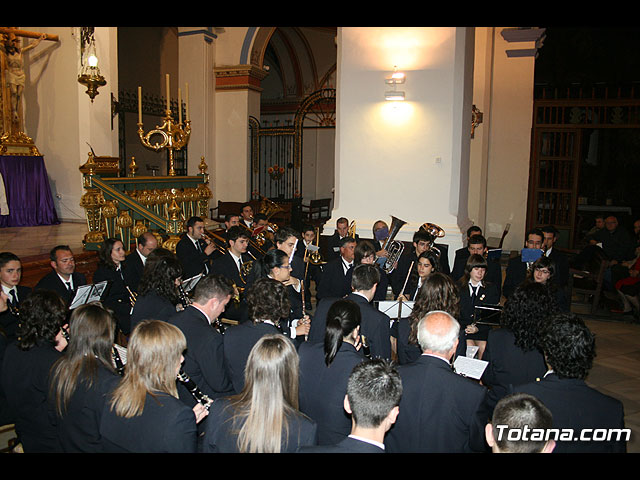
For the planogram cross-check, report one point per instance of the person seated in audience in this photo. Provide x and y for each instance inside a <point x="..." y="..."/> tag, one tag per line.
<point x="26" y="370"/>
<point x="375" y="326"/>
<point x="263" y="417"/>
<point x="426" y="265"/>
<point x="83" y="377"/>
<point x="143" y="414"/>
<point x="374" y="390"/>
<point x="204" y="357"/>
<point x="275" y="265"/>
<point x="325" y="369"/>
<point x="438" y="292"/>
<point x="519" y="412"/>
<point x="517" y="268"/>
<point x="512" y="350"/>
<point x="334" y="242"/>
<point x="598" y="224"/>
<point x="158" y="296"/>
<point x="333" y="279"/>
<point x="569" y="349"/>
<point x="136" y="260"/>
<point x="195" y="250"/>
<point x="561" y="261"/>
<point x="10" y="276"/>
<point x="474" y="292"/>
<point x="267" y="303"/>
<point x="364" y="252"/>
<point x="63" y="278"/>
<point x="119" y="296"/>
<point x="440" y="411"/>
<point x="628" y="288"/>
<point x="543" y="271"/>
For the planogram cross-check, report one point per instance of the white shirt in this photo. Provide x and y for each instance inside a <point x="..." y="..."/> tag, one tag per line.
<point x="202" y="311"/>
<point x="142" y="257"/>
<point x="367" y="440"/>
<point x="70" y="281"/>
<point x="236" y="259"/>
<point x="345" y="265"/>
<point x="8" y="292"/>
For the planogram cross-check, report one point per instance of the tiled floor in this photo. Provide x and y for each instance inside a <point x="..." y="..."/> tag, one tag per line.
<point x="616" y="369"/>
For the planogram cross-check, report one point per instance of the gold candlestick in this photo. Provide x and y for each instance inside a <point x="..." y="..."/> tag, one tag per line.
<point x="174" y="137"/>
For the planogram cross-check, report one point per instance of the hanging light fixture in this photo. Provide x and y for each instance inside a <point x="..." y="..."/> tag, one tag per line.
<point x="89" y="72"/>
<point x="395" y="79"/>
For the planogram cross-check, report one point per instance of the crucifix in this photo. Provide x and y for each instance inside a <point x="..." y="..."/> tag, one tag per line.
<point x="12" y="82"/>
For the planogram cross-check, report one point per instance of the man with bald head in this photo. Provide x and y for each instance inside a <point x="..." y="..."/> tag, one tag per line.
<point x="440" y="411"/>
<point x="135" y="261"/>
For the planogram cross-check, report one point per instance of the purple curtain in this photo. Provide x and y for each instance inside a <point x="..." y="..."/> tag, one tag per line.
<point x="28" y="192"/>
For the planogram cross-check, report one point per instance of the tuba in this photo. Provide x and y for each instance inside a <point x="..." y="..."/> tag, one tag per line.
<point x="394" y="249"/>
<point x="435" y="232"/>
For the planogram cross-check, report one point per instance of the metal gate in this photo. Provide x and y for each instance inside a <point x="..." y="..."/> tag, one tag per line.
<point x="276" y="152"/>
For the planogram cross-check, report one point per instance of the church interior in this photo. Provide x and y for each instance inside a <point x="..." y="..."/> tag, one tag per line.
<point x="310" y="125"/>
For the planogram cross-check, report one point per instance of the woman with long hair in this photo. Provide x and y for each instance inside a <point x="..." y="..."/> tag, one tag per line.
<point x="264" y="416"/>
<point x="475" y="291"/>
<point x="512" y="350"/>
<point x="111" y="267"/>
<point x="439" y="292"/>
<point x="267" y="303"/>
<point x="426" y="265"/>
<point x="158" y="296"/>
<point x="26" y="369"/>
<point x="83" y="377"/>
<point x="144" y="413"/>
<point x="325" y="369"/>
<point x="543" y="271"/>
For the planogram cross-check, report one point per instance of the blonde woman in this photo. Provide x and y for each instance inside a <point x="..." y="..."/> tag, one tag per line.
<point x="144" y="414"/>
<point x="264" y="416"/>
<point x="83" y="377"/>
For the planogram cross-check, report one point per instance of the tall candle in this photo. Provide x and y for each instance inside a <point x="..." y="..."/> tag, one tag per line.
<point x="187" y="100"/>
<point x="139" y="104"/>
<point x="168" y="94"/>
<point x="179" y="106"/>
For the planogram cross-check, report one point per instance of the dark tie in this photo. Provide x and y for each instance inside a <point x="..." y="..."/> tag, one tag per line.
<point x="68" y="286"/>
<point x="474" y="294"/>
<point x="14" y="299"/>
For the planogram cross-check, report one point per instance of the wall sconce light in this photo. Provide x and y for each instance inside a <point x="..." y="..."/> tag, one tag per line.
<point x="395" y="79"/>
<point x="89" y="73"/>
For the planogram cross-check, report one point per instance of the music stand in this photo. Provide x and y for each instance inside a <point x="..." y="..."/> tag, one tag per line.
<point x="88" y="293"/>
<point x="487" y="315"/>
<point x="391" y="308"/>
<point x="190" y="283"/>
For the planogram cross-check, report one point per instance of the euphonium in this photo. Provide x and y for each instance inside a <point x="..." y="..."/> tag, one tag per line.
<point x="436" y="232"/>
<point x="351" y="231"/>
<point x="394" y="249"/>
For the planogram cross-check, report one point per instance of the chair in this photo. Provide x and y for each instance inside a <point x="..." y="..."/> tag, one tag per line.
<point x="494" y="243"/>
<point x="225" y="208"/>
<point x="588" y="282"/>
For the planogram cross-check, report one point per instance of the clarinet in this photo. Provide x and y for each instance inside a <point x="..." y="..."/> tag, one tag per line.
<point x="198" y="394"/>
<point x="115" y="355"/>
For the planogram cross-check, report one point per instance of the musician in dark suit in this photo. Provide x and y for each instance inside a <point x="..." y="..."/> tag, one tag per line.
<point x="461" y="254"/>
<point x="426" y="265"/>
<point x="232" y="266"/>
<point x="246" y="216"/>
<point x="374" y="390"/>
<point x="512" y="350"/>
<point x="312" y="271"/>
<point x="334" y="241"/>
<point x="135" y="261"/>
<point x="325" y="369"/>
<point x="158" y="296"/>
<point x="517" y="268"/>
<point x="267" y="303"/>
<point x="474" y="291"/>
<point x="195" y="250"/>
<point x="333" y="279"/>
<point x="375" y="326"/>
<point x="561" y="277"/>
<point x="422" y="241"/>
<point x="569" y="349"/>
<point x="440" y="411"/>
<point x="204" y="358"/>
<point x="10" y="276"/>
<point x="82" y="379"/>
<point x="143" y="414"/>
<point x="26" y="370"/>
<point x="63" y="279"/>
<point x="477" y="245"/>
<point x="119" y="295"/>
<point x="365" y="253"/>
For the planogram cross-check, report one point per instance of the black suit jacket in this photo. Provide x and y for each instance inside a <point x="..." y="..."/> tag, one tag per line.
<point x="25" y="381"/>
<point x="151" y="307"/>
<point x="9" y="321"/>
<point x="166" y="425"/>
<point x="515" y="275"/>
<point x="348" y="445"/>
<point x="333" y="246"/>
<point x="333" y="280"/>
<point x="193" y="260"/>
<point x="381" y="290"/>
<point x="238" y="342"/>
<point x="575" y="405"/>
<point x="407" y="352"/>
<point x="322" y="389"/>
<point x="440" y="412"/>
<point x="493" y="275"/>
<point x="561" y="277"/>
<point x="79" y="426"/>
<point x="117" y="297"/>
<point x="204" y="357"/>
<point x="221" y="431"/>
<point x="136" y="267"/>
<point x="51" y="281"/>
<point x="399" y="275"/>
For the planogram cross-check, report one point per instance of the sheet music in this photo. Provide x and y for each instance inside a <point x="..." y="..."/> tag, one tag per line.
<point x="122" y="351"/>
<point x="190" y="283"/>
<point x="312" y="248"/>
<point x="472" y="350"/>
<point x="88" y="293"/>
<point x="470" y="367"/>
<point x="390" y="307"/>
